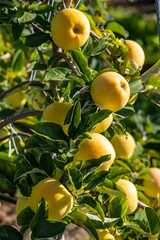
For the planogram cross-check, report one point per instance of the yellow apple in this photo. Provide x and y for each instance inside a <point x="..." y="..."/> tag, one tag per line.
<point x="17" y="99"/>
<point x="95" y="148"/>
<point x="152" y="185"/>
<point x="135" y="53"/>
<point x="101" y="127"/>
<point x="22" y="203"/>
<point x="124" y="145"/>
<point x="70" y="29"/>
<point x="131" y="194"/>
<point x="110" y="90"/>
<point x="56" y="112"/>
<point x="104" y="234"/>
<point x="3" y="133"/>
<point x="38" y="101"/>
<point x="59" y="200"/>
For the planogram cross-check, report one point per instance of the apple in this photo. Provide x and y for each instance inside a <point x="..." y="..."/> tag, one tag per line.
<point x="110" y="90"/>
<point x="152" y="185"/>
<point x="124" y="145"/>
<point x="131" y="194"/>
<point x="104" y="234"/>
<point x="70" y="29"/>
<point x="135" y="53"/>
<point x="17" y="99"/>
<point x="59" y="199"/>
<point x="56" y="112"/>
<point x="95" y="148"/>
<point x="102" y="126"/>
<point x="38" y="101"/>
<point x="22" y="203"/>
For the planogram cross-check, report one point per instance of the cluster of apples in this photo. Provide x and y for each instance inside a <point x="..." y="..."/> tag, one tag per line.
<point x="70" y="29"/>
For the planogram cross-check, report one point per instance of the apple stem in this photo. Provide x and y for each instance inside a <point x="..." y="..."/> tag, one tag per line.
<point x="17" y="86"/>
<point x="142" y="205"/>
<point x="20" y="116"/>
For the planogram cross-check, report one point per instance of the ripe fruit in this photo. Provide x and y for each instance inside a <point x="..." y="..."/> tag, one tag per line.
<point x="56" y="112"/>
<point x="152" y="186"/>
<point x="95" y="148"/>
<point x="17" y="99"/>
<point x="101" y="127"/>
<point x="59" y="200"/>
<point x="3" y="133"/>
<point x="131" y="194"/>
<point x="110" y="90"/>
<point x="124" y="145"/>
<point x="104" y="234"/>
<point x="22" y="203"/>
<point x="70" y="29"/>
<point x="38" y="101"/>
<point x="135" y="53"/>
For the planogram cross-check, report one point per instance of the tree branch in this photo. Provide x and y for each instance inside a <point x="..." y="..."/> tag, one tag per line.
<point x="23" y="134"/>
<point x="68" y="61"/>
<point x="61" y="237"/>
<point x="17" y="86"/>
<point x="20" y="116"/>
<point x="7" y="198"/>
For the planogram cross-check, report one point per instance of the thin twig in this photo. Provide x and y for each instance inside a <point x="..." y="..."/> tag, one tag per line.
<point x="99" y="38"/>
<point x="70" y="4"/>
<point x="37" y="27"/>
<point x="20" y="116"/>
<point x="23" y="134"/>
<point x="68" y="61"/>
<point x="142" y="205"/>
<point x="61" y="237"/>
<point x="64" y="5"/>
<point x="78" y="2"/>
<point x="149" y="98"/>
<point x="18" y="86"/>
<point x="7" y="198"/>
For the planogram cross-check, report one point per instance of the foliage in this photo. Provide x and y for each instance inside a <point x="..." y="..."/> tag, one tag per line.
<point x="30" y="62"/>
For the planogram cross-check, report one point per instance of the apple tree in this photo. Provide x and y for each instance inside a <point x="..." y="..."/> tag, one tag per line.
<point x="79" y="129"/>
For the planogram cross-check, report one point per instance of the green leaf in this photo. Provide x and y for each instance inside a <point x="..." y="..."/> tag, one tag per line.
<point x="95" y="118"/>
<point x="27" y="17"/>
<point x="28" y="170"/>
<point x="25" y="216"/>
<point x="41" y="213"/>
<point x="117" y="28"/>
<point x="75" y="119"/>
<point x="81" y="219"/>
<point x="41" y="8"/>
<point x="151" y="71"/>
<point x="9" y="233"/>
<point x="108" y="222"/>
<point x="58" y="74"/>
<point x="134" y="225"/>
<point x="36" y="66"/>
<point x="46" y="163"/>
<point x="75" y="176"/>
<point x="135" y="86"/>
<point x="153" y="220"/>
<point x="17" y="29"/>
<point x="18" y="61"/>
<point x="126" y="112"/>
<point x="50" y="130"/>
<point x="93" y="205"/>
<point x="36" y="39"/>
<point x="98" y="47"/>
<point x="118" y="207"/>
<point x="7" y="169"/>
<point x="91" y="165"/>
<point x="82" y="63"/>
<point x="96" y="180"/>
<point x="5" y="113"/>
<point x="46" y="229"/>
<point x="154" y="80"/>
<point x="116" y="171"/>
